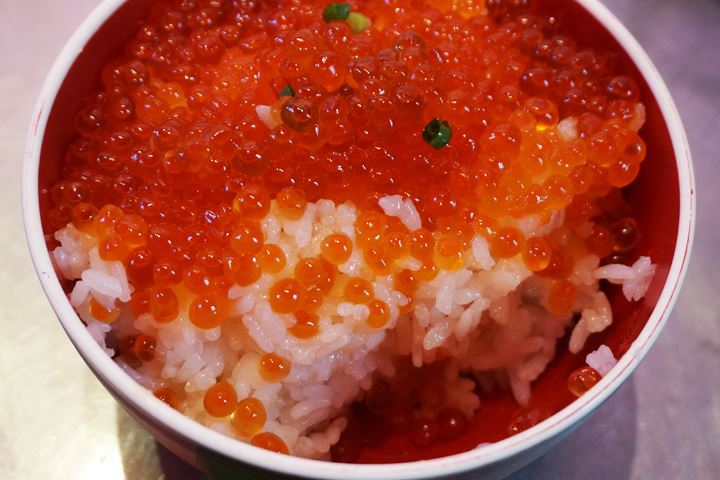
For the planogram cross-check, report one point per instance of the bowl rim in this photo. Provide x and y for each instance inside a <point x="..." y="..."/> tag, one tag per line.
<point x="141" y="399"/>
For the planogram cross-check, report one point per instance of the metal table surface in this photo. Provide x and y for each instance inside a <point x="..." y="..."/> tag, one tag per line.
<point x="57" y="421"/>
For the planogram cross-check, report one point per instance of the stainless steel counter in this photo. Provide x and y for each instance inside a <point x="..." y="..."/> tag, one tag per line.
<point x="57" y="422"/>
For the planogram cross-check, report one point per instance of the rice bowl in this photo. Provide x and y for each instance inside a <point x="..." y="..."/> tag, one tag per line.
<point x="447" y="310"/>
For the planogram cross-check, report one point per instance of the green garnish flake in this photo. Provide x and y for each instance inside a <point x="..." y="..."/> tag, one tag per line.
<point x="287" y="91"/>
<point x="358" y="22"/>
<point x="437" y="133"/>
<point x="336" y="11"/>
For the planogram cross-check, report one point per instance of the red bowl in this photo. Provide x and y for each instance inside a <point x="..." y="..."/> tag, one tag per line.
<point x="663" y="199"/>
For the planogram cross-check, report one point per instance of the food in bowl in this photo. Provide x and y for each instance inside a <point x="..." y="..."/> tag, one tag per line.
<point x="281" y="216"/>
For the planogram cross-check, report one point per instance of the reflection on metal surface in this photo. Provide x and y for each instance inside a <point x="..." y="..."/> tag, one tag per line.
<point x="138" y="450"/>
<point x="58" y="423"/>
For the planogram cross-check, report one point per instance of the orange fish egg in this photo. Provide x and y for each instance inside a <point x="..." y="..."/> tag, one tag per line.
<point x="247" y="238"/>
<point x="164" y="305"/>
<point x="270" y="441"/>
<point x="225" y="134"/>
<point x="448" y="252"/>
<point x="358" y="290"/>
<point x="601" y="241"/>
<point x="307" y="325"/>
<point x="405" y="282"/>
<point x="292" y="203"/>
<point x="560" y="266"/>
<point x="166" y="273"/>
<point x="106" y="219"/>
<point x="220" y="400"/>
<point x="83" y="214"/>
<point x="273" y="368"/>
<point x="208" y="311"/>
<point x="336" y="248"/>
<point x="168" y="396"/>
<point x="140" y="302"/>
<point x="397" y="244"/>
<point x="582" y="380"/>
<point x="506" y="243"/>
<point x="315" y="272"/>
<point x="379" y="314"/>
<point x="244" y="269"/>
<point x="101" y="313"/>
<point x="132" y="230"/>
<point x="272" y="259"/>
<point x="378" y="259"/>
<point x="427" y="272"/>
<point x="421" y="244"/>
<point x="537" y="253"/>
<point x="287" y="295"/>
<point x="248" y="417"/>
<point x="252" y="202"/>
<point x="144" y="347"/>
<point x="627" y="234"/>
<point x="112" y="248"/>
<point x="369" y="228"/>
<point x="314" y="298"/>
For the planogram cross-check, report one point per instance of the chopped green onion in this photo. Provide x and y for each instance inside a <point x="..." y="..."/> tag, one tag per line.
<point x="287" y="91"/>
<point x="336" y="11"/>
<point x="437" y="133"/>
<point x="358" y="22"/>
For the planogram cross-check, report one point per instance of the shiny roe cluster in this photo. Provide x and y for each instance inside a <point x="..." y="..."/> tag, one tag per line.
<point x="480" y="113"/>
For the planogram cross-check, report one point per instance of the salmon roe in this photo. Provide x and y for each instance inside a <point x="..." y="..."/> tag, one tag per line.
<point x="358" y="290"/>
<point x="292" y="203"/>
<point x="336" y="248"/>
<point x="248" y="417"/>
<point x="208" y="311"/>
<point x="405" y="282"/>
<point x="220" y="400"/>
<point x="314" y="298"/>
<point x="164" y="305"/>
<point x="315" y="272"/>
<point x="168" y="396"/>
<point x="273" y="368"/>
<point x="448" y="252"/>
<point x="245" y="269"/>
<point x="219" y="113"/>
<point x="247" y="238"/>
<point x="144" y="347"/>
<point x="506" y="243"/>
<point x="582" y="380"/>
<point x="272" y="259"/>
<point x="287" y="295"/>
<point x="270" y="441"/>
<point x="174" y="154"/>
<point x="537" y="253"/>
<point x="379" y="314"/>
<point x="307" y="325"/>
<point x="252" y="202"/>
<point x="101" y="313"/>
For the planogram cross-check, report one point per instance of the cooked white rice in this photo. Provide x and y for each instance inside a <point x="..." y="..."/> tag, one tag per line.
<point x="602" y="360"/>
<point x="490" y="316"/>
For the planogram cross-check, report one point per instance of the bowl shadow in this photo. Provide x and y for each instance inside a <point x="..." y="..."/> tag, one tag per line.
<point x="602" y="448"/>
